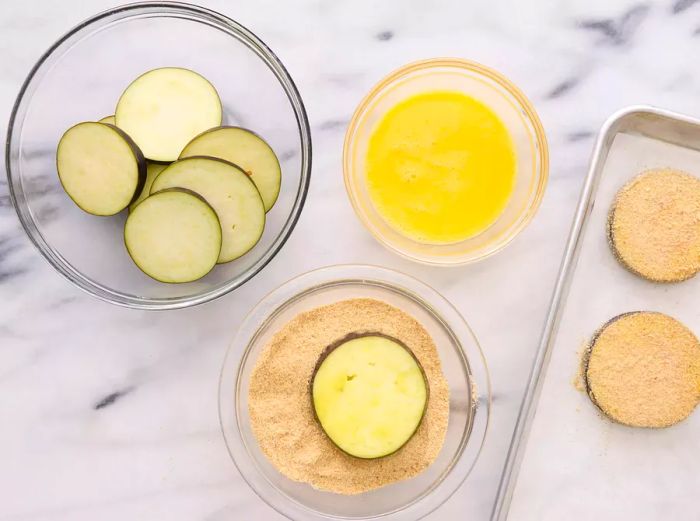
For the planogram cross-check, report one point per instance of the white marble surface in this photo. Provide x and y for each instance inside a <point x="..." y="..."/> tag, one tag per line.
<point x="156" y="451"/>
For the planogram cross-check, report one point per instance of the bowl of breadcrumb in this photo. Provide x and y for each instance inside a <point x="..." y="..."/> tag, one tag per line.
<point x="354" y="392"/>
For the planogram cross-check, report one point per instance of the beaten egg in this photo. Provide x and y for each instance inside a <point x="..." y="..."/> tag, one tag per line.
<point x="440" y="167"/>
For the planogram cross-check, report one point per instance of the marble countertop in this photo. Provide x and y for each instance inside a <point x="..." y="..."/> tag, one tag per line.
<point x="110" y="414"/>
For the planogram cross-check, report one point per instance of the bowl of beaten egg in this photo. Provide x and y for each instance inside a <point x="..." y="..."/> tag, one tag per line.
<point x="445" y="161"/>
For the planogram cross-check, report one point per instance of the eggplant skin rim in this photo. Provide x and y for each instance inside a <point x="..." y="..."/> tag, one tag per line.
<point x="353" y="336"/>
<point x="138" y="156"/>
<point x="212" y="158"/>
<point x="228" y="127"/>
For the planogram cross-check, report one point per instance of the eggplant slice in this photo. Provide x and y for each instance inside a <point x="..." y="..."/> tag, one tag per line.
<point x="654" y="225"/>
<point x="173" y="236"/>
<point x="163" y="109"/>
<point x="109" y="120"/>
<point x="369" y="394"/>
<point x="642" y="369"/>
<point x="245" y="149"/>
<point x="100" y="167"/>
<point x="152" y="171"/>
<point x="230" y="192"/>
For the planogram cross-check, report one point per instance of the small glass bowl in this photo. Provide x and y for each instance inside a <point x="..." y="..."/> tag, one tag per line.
<point x="81" y="77"/>
<point x="462" y="362"/>
<point x="496" y="92"/>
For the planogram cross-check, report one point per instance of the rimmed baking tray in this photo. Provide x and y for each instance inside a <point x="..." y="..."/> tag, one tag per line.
<point x="576" y="461"/>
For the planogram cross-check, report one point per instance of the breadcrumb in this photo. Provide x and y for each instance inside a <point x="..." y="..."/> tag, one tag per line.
<point x="281" y="412"/>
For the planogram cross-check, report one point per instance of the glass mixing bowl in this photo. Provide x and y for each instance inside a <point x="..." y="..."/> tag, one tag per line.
<point x="509" y="104"/>
<point x="462" y="362"/>
<point x="81" y="77"/>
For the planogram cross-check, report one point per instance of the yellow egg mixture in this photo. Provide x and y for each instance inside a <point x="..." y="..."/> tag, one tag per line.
<point x="440" y="167"/>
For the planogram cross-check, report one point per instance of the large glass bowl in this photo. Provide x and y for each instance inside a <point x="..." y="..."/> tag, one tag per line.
<point x="509" y="104"/>
<point x="81" y="77"/>
<point x="462" y="363"/>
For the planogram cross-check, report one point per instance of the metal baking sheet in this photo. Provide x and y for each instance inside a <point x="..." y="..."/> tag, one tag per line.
<point x="564" y="456"/>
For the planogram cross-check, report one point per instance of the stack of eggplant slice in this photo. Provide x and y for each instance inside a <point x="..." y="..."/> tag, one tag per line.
<point x="196" y="191"/>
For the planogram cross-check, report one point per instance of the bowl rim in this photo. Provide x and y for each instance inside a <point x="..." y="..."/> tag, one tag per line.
<point x="256" y="45"/>
<point x="307" y="283"/>
<point x="524" y="104"/>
